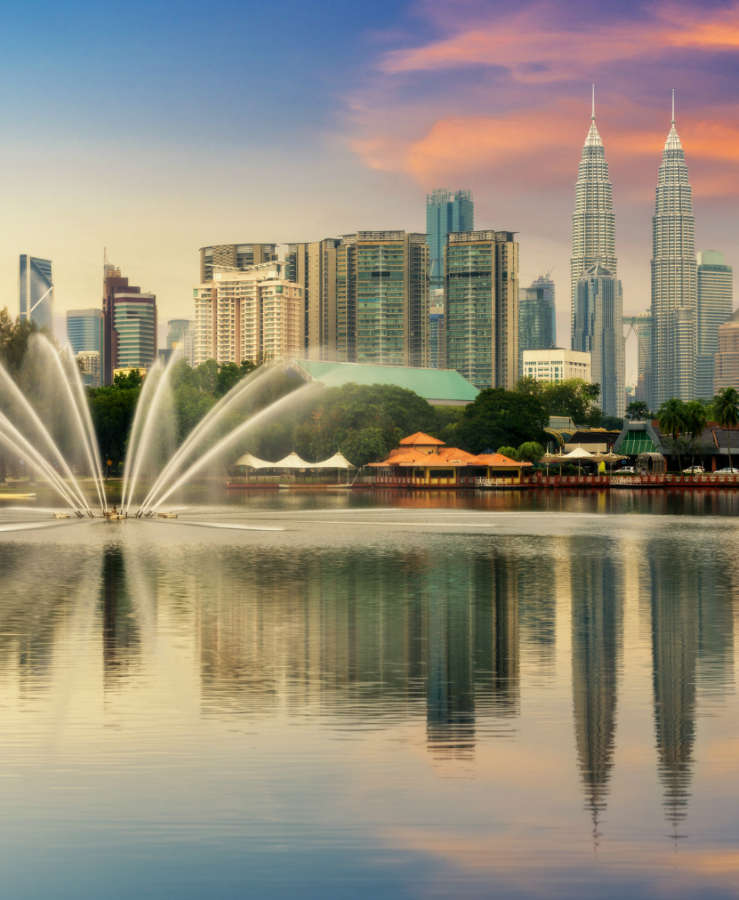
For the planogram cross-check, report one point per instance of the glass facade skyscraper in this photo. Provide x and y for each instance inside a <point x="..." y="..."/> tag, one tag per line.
<point x="445" y="213"/>
<point x="715" y="302"/>
<point x="537" y="323"/>
<point x="85" y="330"/>
<point x="36" y="300"/>
<point x="674" y="279"/>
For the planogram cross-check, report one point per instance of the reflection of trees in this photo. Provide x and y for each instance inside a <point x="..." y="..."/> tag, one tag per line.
<point x="120" y="628"/>
<point x="597" y="622"/>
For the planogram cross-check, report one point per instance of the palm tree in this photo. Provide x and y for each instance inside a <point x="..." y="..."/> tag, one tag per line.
<point x="696" y="417"/>
<point x="726" y="412"/>
<point x="671" y="417"/>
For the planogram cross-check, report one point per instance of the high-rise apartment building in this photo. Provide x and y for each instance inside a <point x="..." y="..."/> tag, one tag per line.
<point x="36" y="291"/>
<point x="715" y="302"/>
<point x="313" y="266"/>
<point x="481" y="314"/>
<point x="129" y="325"/>
<point x="593" y="221"/>
<point x="437" y="337"/>
<point x="599" y="332"/>
<point x="382" y="298"/>
<point x="233" y="256"/>
<point x="674" y="279"/>
<point x="556" y="364"/>
<point x="726" y="373"/>
<point x="445" y="213"/>
<point x="537" y="322"/>
<point x="255" y="315"/>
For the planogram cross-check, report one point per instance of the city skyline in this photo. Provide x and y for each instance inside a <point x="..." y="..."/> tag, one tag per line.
<point x="504" y="130"/>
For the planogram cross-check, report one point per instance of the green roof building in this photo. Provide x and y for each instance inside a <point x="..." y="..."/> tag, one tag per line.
<point x="440" y="387"/>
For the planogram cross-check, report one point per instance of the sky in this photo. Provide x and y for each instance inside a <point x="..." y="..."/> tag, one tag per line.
<point x="154" y="128"/>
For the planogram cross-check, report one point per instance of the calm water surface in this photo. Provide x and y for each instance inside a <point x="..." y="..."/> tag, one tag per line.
<point x="531" y="698"/>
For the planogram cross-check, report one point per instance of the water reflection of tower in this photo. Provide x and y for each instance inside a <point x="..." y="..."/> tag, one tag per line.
<point x="120" y="633"/>
<point x="597" y="633"/>
<point x="675" y="624"/>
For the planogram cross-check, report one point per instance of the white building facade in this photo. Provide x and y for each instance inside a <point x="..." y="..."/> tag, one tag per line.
<point x="556" y="364"/>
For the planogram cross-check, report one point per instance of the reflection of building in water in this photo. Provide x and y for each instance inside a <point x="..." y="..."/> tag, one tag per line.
<point x="675" y="624"/>
<point x="120" y="629"/>
<point x="363" y="636"/>
<point x="537" y="604"/>
<point x="597" y="632"/>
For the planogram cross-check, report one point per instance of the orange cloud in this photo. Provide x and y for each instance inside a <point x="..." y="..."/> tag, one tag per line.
<point x="534" y="52"/>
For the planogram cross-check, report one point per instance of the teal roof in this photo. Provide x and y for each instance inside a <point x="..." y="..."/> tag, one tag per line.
<point x="439" y="386"/>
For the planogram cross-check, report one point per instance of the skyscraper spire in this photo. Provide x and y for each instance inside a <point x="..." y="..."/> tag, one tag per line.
<point x="593" y="221"/>
<point x="674" y="278"/>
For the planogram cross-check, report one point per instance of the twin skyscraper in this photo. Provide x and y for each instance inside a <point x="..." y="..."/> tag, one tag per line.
<point x="596" y="295"/>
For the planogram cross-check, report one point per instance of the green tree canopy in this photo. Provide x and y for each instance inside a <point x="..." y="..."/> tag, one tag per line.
<point x="499" y="417"/>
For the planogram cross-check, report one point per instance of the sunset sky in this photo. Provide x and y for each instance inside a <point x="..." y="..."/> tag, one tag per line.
<point x="155" y="127"/>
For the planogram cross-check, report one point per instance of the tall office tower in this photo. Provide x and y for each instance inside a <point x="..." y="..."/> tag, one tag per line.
<point x="593" y="221"/>
<point x="445" y="212"/>
<point x="85" y="330"/>
<point x="255" y="315"/>
<point x="674" y="279"/>
<point x="129" y="325"/>
<point x="313" y="266"/>
<point x="599" y="318"/>
<point x="537" y="322"/>
<point x="179" y="337"/>
<point x="482" y="307"/>
<point x="715" y="301"/>
<point x="85" y="336"/>
<point x="642" y="326"/>
<point x="437" y="337"/>
<point x="233" y="256"/>
<point x="382" y="298"/>
<point x="36" y="291"/>
<point x="726" y="373"/>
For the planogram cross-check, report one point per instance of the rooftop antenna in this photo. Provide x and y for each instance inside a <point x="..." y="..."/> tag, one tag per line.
<point x="673" y="106"/>
<point x="592" y="114"/>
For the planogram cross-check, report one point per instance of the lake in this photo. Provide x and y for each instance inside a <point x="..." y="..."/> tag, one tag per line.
<point x="500" y="695"/>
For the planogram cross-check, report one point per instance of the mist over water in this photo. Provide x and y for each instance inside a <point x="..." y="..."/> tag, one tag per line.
<point x="371" y="700"/>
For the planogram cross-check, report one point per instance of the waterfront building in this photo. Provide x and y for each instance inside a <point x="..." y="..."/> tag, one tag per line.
<point x="727" y="357"/>
<point x="254" y="315"/>
<point x="180" y="337"/>
<point x="85" y="330"/>
<point x="36" y="291"/>
<point x="715" y="301"/>
<point x="313" y="266"/>
<point x="445" y="213"/>
<point x="233" y="256"/>
<point x="481" y="313"/>
<point x="537" y="322"/>
<point x="382" y="298"/>
<point x="556" y="364"/>
<point x="674" y="279"/>
<point x="599" y="332"/>
<point x="593" y="221"/>
<point x="437" y="337"/>
<point x="129" y="325"/>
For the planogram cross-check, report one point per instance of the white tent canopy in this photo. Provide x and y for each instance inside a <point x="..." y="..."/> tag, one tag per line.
<point x="578" y="453"/>
<point x="293" y="461"/>
<point x="253" y="462"/>
<point x="337" y="461"/>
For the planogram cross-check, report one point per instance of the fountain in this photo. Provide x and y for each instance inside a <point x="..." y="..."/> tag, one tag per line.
<point x="46" y="423"/>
